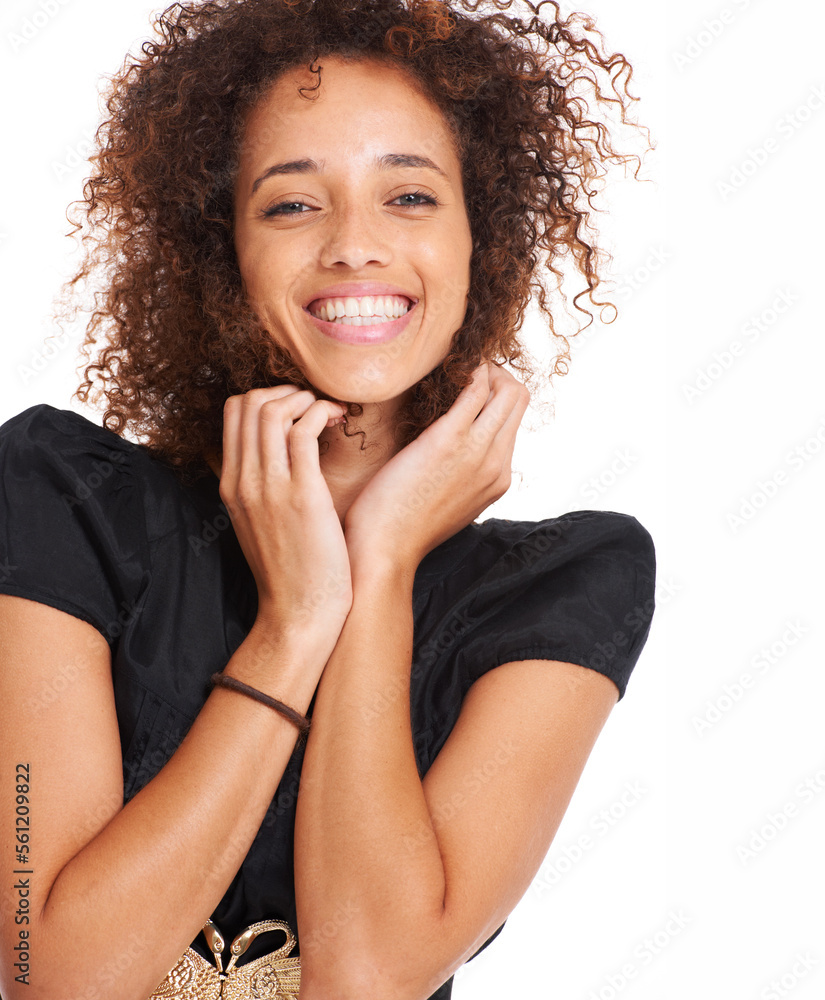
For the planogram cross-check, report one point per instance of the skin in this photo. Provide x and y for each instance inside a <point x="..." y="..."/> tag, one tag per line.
<point x="351" y="221"/>
<point x="308" y="523"/>
<point x="333" y="544"/>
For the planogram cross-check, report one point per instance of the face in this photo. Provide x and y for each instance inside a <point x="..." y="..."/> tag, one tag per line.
<point x="350" y="228"/>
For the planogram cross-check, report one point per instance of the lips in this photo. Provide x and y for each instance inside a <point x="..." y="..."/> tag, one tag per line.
<point x="359" y="290"/>
<point x="358" y="329"/>
<point x="361" y="312"/>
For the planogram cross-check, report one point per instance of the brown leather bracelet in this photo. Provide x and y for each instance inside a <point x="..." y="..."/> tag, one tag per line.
<point x="224" y="680"/>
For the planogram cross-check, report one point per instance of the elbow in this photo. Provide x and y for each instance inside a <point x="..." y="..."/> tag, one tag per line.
<point x="366" y="984"/>
<point x="344" y="979"/>
<point x="367" y="978"/>
<point x="31" y="973"/>
<point x="20" y="983"/>
<point x="55" y="973"/>
<point x="349" y="973"/>
<point x="389" y="962"/>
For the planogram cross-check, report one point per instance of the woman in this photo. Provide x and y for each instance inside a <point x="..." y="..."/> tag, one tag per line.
<point x="320" y="224"/>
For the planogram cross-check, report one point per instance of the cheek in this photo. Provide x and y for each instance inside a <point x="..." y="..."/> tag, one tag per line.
<point x="262" y="280"/>
<point x="452" y="277"/>
<point x="248" y="265"/>
<point x="253" y="264"/>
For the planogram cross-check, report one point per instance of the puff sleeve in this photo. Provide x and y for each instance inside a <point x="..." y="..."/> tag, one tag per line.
<point x="577" y="588"/>
<point x="72" y="531"/>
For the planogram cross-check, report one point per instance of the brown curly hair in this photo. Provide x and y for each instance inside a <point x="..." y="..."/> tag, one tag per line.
<point x="180" y="336"/>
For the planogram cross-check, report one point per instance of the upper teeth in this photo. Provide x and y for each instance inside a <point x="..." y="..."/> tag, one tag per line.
<point x="367" y="306"/>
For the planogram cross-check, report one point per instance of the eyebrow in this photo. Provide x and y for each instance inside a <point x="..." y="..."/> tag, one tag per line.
<point x="389" y="161"/>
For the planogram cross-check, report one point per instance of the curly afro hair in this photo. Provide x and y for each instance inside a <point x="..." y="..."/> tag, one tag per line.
<point x="179" y="336"/>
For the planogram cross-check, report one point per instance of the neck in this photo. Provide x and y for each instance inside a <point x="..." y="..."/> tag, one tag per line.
<point x="345" y="467"/>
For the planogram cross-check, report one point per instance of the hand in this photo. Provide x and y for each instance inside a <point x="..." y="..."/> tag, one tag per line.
<point x="442" y="480"/>
<point x="283" y="513"/>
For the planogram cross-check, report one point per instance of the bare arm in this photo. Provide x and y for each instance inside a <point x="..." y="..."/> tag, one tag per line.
<point x="118" y="893"/>
<point x="381" y="857"/>
<point x="367" y="858"/>
<point x="364" y="837"/>
<point x="400" y="880"/>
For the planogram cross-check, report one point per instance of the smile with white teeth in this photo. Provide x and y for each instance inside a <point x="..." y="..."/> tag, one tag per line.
<point x="365" y="311"/>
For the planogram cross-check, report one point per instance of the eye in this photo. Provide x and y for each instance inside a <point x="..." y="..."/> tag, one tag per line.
<point x="285" y="208"/>
<point x="410" y="199"/>
<point x="421" y="199"/>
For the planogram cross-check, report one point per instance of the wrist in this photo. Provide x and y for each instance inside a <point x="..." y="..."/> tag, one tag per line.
<point x="272" y="653"/>
<point x="383" y="570"/>
<point x="305" y="635"/>
<point x="370" y="555"/>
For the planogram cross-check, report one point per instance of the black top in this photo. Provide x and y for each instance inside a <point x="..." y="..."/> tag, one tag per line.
<point x="91" y="524"/>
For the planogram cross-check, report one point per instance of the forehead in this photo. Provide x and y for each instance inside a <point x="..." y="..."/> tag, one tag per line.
<point x="358" y="104"/>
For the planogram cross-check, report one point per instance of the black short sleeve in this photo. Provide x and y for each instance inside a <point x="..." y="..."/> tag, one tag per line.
<point x="577" y="588"/>
<point x="72" y="531"/>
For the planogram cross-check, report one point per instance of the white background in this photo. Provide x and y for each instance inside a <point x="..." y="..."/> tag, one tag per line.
<point x="662" y="416"/>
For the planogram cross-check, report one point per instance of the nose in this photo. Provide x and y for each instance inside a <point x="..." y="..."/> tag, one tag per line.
<point x="355" y="238"/>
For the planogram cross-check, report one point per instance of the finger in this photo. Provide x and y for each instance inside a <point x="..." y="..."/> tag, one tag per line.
<point x="250" y="431"/>
<point x="274" y="421"/>
<point x="471" y="399"/>
<point x="236" y="412"/>
<point x="304" y="455"/>
<point x="502" y="447"/>
<point x="497" y="442"/>
<point x="505" y="394"/>
<point x="231" y="438"/>
<point x="506" y="435"/>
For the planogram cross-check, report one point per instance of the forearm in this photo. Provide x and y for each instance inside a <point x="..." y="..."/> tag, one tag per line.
<point x="124" y="909"/>
<point x="367" y="860"/>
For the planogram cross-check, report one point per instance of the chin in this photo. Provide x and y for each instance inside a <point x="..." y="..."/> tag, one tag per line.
<point x="370" y="384"/>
